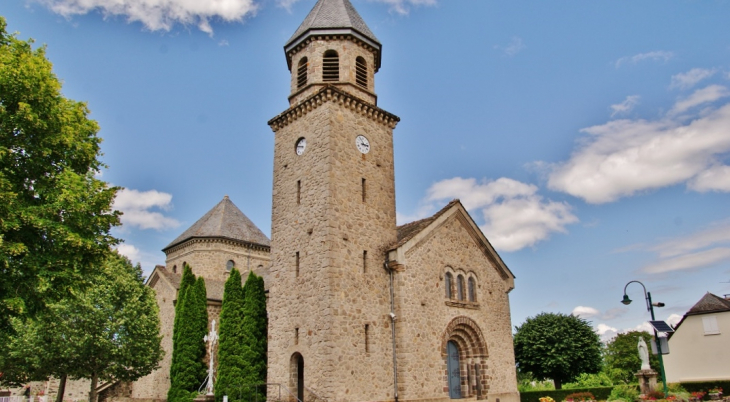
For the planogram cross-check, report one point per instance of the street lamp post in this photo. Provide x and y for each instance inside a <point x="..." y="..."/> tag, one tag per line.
<point x="650" y="308"/>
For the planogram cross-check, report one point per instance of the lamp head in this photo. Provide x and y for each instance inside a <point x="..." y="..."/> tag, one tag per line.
<point x="626" y="300"/>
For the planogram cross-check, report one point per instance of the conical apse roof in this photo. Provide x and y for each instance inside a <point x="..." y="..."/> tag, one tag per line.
<point x="225" y="221"/>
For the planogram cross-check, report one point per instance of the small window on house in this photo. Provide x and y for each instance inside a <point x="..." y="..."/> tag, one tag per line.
<point x="449" y="283"/>
<point x="361" y="72"/>
<point x="460" y="287"/>
<point x="710" y="325"/>
<point x="331" y="66"/>
<point x="299" y="192"/>
<point x="472" y="289"/>
<point x="296" y="336"/>
<point x="302" y="72"/>
<point x="229" y="265"/>
<point x="363" y="190"/>
<point x="364" y="261"/>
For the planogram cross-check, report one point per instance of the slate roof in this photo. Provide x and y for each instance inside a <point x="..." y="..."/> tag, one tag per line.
<point x="409" y="230"/>
<point x="224" y="221"/>
<point x="709" y="304"/>
<point x="333" y="14"/>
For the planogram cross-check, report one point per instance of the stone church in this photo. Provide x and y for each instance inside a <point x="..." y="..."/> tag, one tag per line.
<point x="360" y="309"/>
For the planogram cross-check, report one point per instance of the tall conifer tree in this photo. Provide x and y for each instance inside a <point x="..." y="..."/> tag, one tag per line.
<point x="187" y="371"/>
<point x="254" y="325"/>
<point x="230" y="347"/>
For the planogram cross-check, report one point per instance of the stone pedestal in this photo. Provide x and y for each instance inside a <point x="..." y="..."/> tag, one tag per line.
<point x="211" y="398"/>
<point x="647" y="380"/>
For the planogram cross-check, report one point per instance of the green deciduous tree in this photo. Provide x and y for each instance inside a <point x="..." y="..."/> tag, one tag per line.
<point x="254" y="325"/>
<point x="187" y="371"/>
<point x="231" y="365"/>
<point x="622" y="356"/>
<point x="558" y="347"/>
<point x="110" y="331"/>
<point x="55" y="215"/>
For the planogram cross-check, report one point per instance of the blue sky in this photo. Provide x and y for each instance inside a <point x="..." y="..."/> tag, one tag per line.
<point x="589" y="140"/>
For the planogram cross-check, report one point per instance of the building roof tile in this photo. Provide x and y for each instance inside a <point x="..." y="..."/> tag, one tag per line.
<point x="709" y="303"/>
<point x="224" y="221"/>
<point x="333" y="14"/>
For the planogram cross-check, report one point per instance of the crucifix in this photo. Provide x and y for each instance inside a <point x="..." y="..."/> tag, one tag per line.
<point x="212" y="339"/>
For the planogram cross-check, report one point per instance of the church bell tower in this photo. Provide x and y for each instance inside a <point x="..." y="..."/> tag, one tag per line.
<point x="333" y="216"/>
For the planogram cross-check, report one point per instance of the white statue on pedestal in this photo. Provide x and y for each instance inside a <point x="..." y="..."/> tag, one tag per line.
<point x="644" y="355"/>
<point x="212" y="339"/>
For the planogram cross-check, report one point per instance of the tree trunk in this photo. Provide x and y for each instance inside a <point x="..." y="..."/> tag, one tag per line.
<point x="558" y="384"/>
<point x="61" y="388"/>
<point x="92" y="391"/>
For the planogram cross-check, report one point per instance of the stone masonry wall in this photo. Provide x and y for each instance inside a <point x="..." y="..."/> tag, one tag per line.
<point x="208" y="258"/>
<point x="348" y="51"/>
<point x="337" y="291"/>
<point x="156" y="384"/>
<point x="424" y="313"/>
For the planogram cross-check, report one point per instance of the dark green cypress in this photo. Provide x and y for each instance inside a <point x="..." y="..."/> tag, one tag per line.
<point x="187" y="371"/>
<point x="230" y="361"/>
<point x="254" y="336"/>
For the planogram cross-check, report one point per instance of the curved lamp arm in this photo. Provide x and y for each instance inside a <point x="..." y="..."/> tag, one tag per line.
<point x="627" y="301"/>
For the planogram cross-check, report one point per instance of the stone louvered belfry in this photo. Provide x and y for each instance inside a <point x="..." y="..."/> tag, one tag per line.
<point x="360" y="309"/>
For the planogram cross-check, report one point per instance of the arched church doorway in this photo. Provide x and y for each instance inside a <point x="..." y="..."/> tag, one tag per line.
<point x="296" y="378"/>
<point x="464" y="351"/>
<point x="454" y="367"/>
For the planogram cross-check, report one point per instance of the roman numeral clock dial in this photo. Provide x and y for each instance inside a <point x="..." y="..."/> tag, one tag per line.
<point x="362" y="144"/>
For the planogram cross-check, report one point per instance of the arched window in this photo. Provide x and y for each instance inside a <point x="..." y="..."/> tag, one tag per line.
<point x="361" y="72"/>
<point x="460" y="287"/>
<point x="331" y="66"/>
<point x="472" y="289"/>
<point x="302" y="72"/>
<point x="229" y="265"/>
<point x="449" y="280"/>
<point x="174" y="269"/>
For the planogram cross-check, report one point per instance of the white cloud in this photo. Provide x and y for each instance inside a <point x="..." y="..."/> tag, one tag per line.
<point x="716" y="178"/>
<point x="515" y="216"/>
<point x="705" y="248"/>
<point x="673" y="319"/>
<point x="716" y="234"/>
<point x="657" y="55"/>
<point x="158" y="15"/>
<point x="691" y="77"/>
<point x="626" y="105"/>
<point x="606" y="332"/>
<point x="136" y="205"/>
<point x="585" y="312"/>
<point x="588" y="312"/>
<point x="515" y="46"/>
<point x="403" y="6"/>
<point x="129" y="251"/>
<point x="700" y="97"/>
<point x="700" y="259"/>
<point x="623" y="157"/>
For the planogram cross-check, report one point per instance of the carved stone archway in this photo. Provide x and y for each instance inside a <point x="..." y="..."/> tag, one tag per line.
<point x="473" y="353"/>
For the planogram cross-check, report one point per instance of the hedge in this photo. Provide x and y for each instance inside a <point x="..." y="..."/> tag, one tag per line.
<point x="601" y="394"/>
<point x="705" y="385"/>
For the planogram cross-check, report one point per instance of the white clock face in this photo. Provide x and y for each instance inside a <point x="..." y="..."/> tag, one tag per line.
<point x="301" y="144"/>
<point x="362" y="143"/>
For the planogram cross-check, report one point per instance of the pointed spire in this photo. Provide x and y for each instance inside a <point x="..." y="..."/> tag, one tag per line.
<point x="226" y="221"/>
<point x="333" y="17"/>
